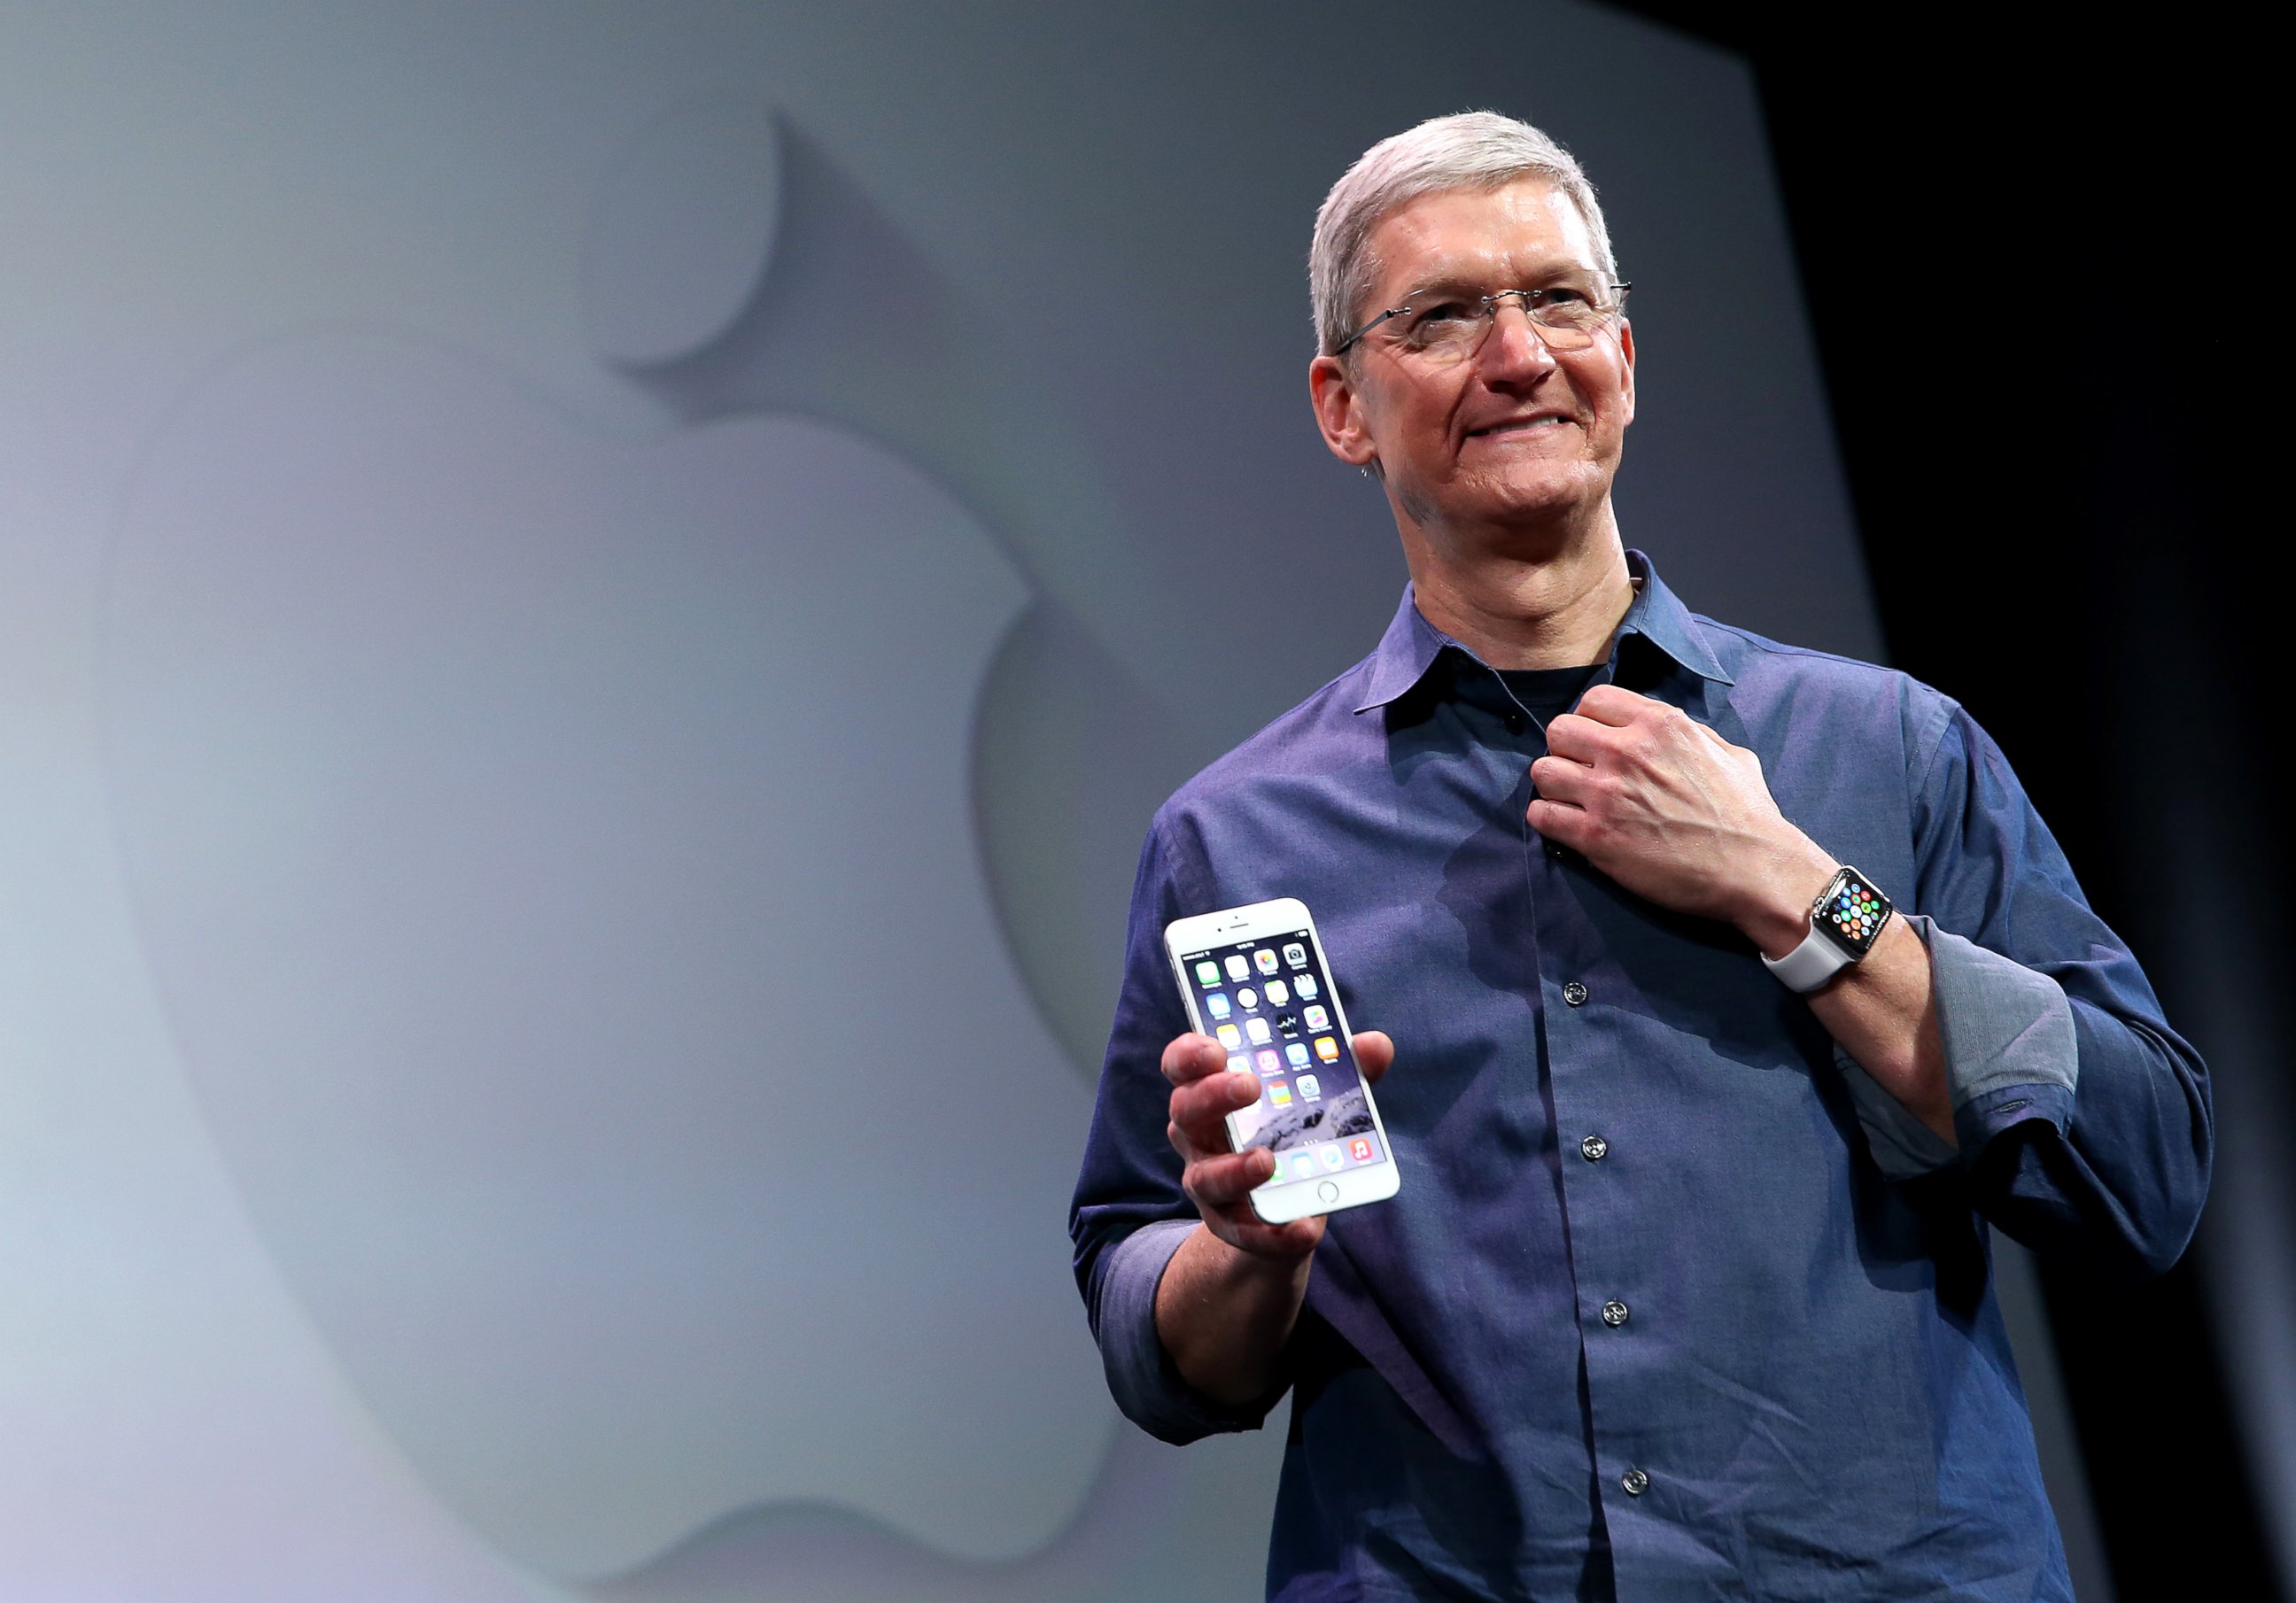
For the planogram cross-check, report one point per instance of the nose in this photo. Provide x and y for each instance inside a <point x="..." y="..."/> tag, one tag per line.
<point x="1511" y="342"/>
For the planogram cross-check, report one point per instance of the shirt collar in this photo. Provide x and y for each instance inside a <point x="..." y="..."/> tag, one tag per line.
<point x="1411" y="645"/>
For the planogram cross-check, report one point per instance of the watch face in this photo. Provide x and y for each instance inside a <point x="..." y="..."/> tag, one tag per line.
<point x="1852" y="912"/>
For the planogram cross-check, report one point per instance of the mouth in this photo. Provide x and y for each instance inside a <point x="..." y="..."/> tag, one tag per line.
<point x="1520" y="425"/>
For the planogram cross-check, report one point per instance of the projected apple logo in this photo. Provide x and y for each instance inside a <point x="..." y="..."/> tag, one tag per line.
<point x="555" y="855"/>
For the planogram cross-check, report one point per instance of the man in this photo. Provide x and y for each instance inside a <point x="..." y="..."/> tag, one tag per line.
<point x="1685" y="1295"/>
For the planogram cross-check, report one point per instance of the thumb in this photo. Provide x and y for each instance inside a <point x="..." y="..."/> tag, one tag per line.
<point x="1373" y="1052"/>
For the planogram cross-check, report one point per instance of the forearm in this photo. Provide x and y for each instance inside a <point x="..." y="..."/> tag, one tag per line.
<point x="1224" y="1315"/>
<point x="1881" y="1010"/>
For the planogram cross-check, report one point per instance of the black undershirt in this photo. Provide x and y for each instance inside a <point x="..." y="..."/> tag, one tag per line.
<point x="1545" y="694"/>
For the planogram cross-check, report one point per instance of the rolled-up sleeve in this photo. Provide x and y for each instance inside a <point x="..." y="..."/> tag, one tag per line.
<point x="2083" y="1119"/>
<point x="1129" y="1214"/>
<point x="1140" y="1375"/>
<point x="2011" y="1054"/>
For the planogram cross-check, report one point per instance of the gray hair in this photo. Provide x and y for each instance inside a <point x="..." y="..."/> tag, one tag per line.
<point x="1471" y="149"/>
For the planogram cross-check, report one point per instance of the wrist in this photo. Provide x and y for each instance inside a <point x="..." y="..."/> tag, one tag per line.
<point x="1774" y="915"/>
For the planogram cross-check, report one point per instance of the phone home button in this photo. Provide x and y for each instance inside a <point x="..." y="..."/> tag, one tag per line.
<point x="1327" y="1193"/>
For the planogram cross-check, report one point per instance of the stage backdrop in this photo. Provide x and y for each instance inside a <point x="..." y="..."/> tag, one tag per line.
<point x="593" y="599"/>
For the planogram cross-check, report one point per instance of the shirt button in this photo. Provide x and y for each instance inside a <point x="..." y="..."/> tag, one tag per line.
<point x="1514" y="724"/>
<point x="1614" y="1313"/>
<point x="1635" y="1483"/>
<point x="1594" y="1148"/>
<point x="1574" y="993"/>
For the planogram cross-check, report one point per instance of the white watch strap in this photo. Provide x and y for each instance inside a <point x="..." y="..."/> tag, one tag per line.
<point x="1808" y="965"/>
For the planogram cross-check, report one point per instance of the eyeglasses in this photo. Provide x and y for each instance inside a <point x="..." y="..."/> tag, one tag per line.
<point x="1441" y="327"/>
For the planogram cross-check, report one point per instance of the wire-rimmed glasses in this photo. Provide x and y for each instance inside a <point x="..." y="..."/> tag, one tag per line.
<point x="1441" y="326"/>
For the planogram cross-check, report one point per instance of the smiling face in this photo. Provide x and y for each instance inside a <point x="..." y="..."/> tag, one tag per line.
<point x="1518" y="443"/>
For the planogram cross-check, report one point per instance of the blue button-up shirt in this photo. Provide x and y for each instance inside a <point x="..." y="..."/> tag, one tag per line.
<point x="1804" y="1389"/>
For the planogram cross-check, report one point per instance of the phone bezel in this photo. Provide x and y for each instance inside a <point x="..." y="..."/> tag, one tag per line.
<point x="1257" y="920"/>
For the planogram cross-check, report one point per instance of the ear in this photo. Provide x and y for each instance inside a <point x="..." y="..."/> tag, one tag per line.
<point x="1626" y="352"/>
<point x="1340" y="411"/>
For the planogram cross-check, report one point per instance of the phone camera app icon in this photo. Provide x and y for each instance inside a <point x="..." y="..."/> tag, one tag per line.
<point x="1237" y="968"/>
<point x="1277" y="996"/>
<point x="1216" y="1004"/>
<point x="1296" y="1054"/>
<point x="1311" y="1089"/>
<point x="1327" y="1048"/>
<point x="1257" y="1028"/>
<point x="1266" y="959"/>
<point x="1304" y="984"/>
<point x="1296" y="955"/>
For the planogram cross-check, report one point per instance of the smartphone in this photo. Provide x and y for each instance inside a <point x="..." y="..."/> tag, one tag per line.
<point x="1255" y="980"/>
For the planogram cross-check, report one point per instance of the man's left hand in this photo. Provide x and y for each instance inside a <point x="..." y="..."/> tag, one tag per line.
<point x="1677" y="815"/>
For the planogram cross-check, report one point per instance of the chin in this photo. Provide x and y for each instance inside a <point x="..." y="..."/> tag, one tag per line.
<point x="1536" y="496"/>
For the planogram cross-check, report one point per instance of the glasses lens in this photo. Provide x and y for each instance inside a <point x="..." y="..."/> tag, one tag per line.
<point x="1445" y="328"/>
<point x="1567" y="319"/>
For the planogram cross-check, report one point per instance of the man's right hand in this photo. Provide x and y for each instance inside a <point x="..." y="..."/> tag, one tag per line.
<point x="1231" y="1294"/>
<point x="1218" y="1179"/>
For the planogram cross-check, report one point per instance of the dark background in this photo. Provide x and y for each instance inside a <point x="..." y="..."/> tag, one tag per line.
<point x="2027" y="253"/>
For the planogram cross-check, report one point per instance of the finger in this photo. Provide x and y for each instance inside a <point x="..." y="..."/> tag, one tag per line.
<point x="1299" y="1236"/>
<point x="1608" y="704"/>
<point x="1560" y="822"/>
<point x="1582" y="741"/>
<point x="1190" y="1057"/>
<point x="1227" y="1180"/>
<point x="1241" y="1227"/>
<point x="1202" y="1109"/>
<point x="1373" y="1053"/>
<point x="1561" y="779"/>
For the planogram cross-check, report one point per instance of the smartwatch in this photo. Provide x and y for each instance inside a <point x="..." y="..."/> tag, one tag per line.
<point x="1844" y="922"/>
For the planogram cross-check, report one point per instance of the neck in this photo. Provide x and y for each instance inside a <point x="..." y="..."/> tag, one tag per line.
<point x="1526" y="607"/>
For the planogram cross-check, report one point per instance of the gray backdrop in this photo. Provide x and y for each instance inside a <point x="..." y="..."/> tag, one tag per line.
<point x="593" y="599"/>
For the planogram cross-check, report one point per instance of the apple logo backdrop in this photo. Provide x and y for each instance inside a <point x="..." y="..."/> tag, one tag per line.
<point x="558" y="856"/>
